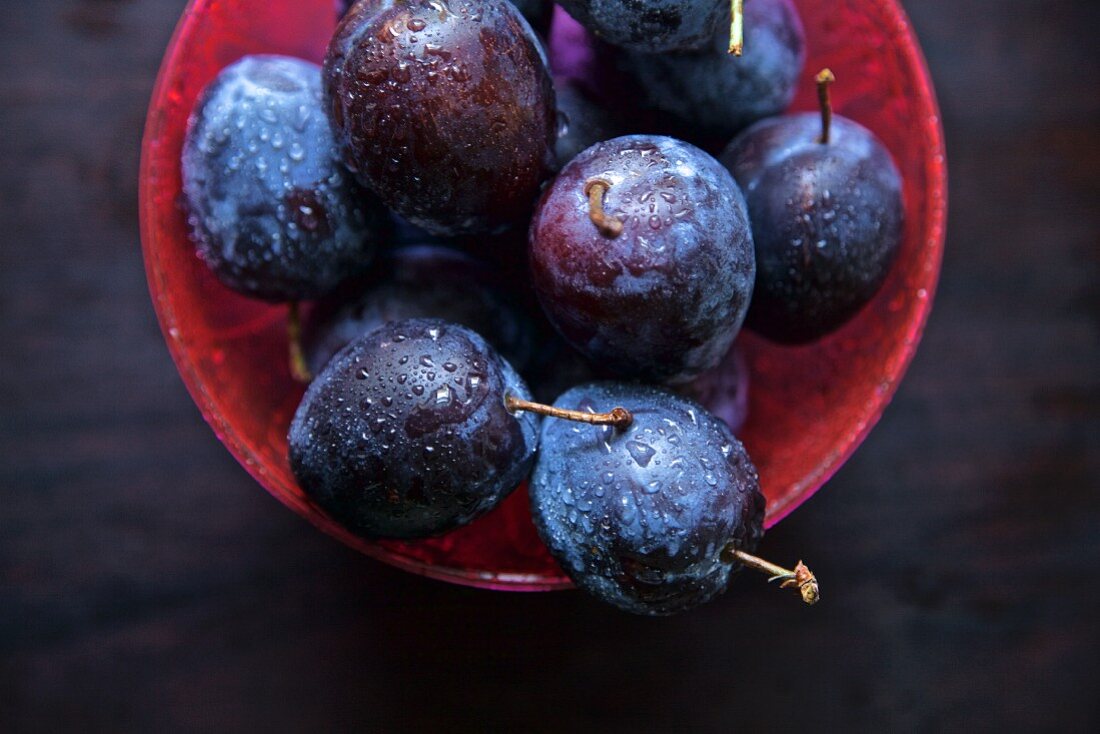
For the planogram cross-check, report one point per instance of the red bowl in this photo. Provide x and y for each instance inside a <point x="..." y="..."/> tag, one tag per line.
<point x="810" y="407"/>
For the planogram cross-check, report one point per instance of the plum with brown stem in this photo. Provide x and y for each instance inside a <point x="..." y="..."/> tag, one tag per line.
<point x="825" y="199"/>
<point x="642" y="258"/>
<point x="655" y="505"/>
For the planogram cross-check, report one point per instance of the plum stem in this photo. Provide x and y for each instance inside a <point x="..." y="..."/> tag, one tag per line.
<point x="298" y="367"/>
<point x="825" y="78"/>
<point x="801" y="577"/>
<point x="620" y="418"/>
<point x="737" y="27"/>
<point x="595" y="190"/>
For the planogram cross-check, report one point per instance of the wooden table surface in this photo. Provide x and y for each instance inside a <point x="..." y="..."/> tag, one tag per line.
<point x="148" y="584"/>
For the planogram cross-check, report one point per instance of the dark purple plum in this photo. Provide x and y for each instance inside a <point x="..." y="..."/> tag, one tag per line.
<point x="582" y="121"/>
<point x="422" y="282"/>
<point x="272" y="210"/>
<point x="642" y="258"/>
<point x="404" y="434"/>
<point x="724" y="390"/>
<point x="444" y="110"/>
<point x="712" y="93"/>
<point x="651" y="26"/>
<point x="827" y="221"/>
<point x="537" y="12"/>
<point x="645" y="518"/>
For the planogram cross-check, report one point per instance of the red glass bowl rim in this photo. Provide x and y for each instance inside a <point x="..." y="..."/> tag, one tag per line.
<point x="936" y="231"/>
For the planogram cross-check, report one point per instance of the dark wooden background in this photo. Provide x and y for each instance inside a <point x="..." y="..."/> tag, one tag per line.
<point x="148" y="584"/>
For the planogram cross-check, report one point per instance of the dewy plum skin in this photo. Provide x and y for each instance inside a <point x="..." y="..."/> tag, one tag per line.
<point x="640" y="517"/>
<point x="227" y="347"/>
<point x="642" y="258"/>
<point x="445" y="111"/>
<point x="274" y="213"/>
<point x="825" y="200"/>
<point x="405" y="434"/>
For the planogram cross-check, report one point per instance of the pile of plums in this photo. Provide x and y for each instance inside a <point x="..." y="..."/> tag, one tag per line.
<point x="476" y="233"/>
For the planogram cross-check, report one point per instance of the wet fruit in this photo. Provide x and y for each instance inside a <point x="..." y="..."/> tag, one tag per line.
<point x="825" y="200"/>
<point x="404" y="434"/>
<point x="444" y="110"/>
<point x="645" y="518"/>
<point x="272" y="210"/>
<point x="642" y="258"/>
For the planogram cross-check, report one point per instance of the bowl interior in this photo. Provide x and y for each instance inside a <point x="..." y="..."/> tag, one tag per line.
<point x="810" y="407"/>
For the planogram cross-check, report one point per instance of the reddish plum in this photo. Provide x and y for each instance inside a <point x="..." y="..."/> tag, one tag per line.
<point x="645" y="518"/>
<point x="642" y="258"/>
<point x="445" y="110"/>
